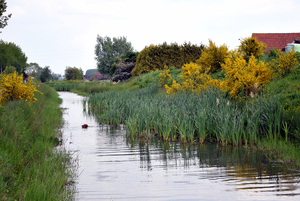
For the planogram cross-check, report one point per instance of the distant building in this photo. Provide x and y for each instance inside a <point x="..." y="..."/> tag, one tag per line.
<point x="99" y="76"/>
<point x="278" y="40"/>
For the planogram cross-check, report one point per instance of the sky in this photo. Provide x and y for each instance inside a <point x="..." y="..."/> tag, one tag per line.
<point x="61" y="33"/>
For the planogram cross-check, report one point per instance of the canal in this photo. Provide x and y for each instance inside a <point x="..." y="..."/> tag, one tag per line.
<point x="113" y="168"/>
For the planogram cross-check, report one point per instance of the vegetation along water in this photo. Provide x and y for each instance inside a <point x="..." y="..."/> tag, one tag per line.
<point x="201" y="104"/>
<point x="246" y="98"/>
<point x="31" y="168"/>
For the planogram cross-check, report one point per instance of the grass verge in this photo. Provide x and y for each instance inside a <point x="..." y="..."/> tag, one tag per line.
<point x="31" y="168"/>
<point x="282" y="151"/>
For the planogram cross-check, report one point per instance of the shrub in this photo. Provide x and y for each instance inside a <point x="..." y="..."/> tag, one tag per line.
<point x="194" y="78"/>
<point x="13" y="88"/>
<point x="123" y="70"/>
<point x="284" y="64"/>
<point x="242" y="77"/>
<point x="155" y="57"/>
<point x="212" y="57"/>
<point x="251" y="46"/>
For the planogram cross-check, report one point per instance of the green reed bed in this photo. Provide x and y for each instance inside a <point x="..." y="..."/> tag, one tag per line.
<point x="188" y="117"/>
<point x="31" y="167"/>
<point x="64" y="86"/>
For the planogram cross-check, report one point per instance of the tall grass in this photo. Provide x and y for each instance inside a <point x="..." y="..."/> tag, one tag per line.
<point x="188" y="117"/>
<point x="30" y="167"/>
<point x="64" y="86"/>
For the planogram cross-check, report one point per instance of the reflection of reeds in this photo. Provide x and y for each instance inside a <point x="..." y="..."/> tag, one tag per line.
<point x="188" y="116"/>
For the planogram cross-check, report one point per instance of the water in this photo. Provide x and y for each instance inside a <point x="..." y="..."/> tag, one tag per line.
<point x="112" y="168"/>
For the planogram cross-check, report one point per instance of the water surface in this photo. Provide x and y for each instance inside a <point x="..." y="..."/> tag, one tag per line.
<point x="112" y="168"/>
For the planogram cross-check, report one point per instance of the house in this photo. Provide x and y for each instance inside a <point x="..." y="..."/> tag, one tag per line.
<point x="99" y="76"/>
<point x="277" y="40"/>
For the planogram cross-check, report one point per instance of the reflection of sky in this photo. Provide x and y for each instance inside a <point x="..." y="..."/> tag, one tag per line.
<point x="113" y="168"/>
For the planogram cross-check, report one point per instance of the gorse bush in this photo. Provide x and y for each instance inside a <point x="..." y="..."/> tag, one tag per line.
<point x="243" y="77"/>
<point x="13" y="88"/>
<point x="155" y="57"/>
<point x="284" y="64"/>
<point x="194" y="78"/>
<point x="251" y="47"/>
<point x="212" y="57"/>
<point x="240" y="76"/>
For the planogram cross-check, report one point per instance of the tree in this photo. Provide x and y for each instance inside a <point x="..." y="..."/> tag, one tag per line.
<point x="45" y="74"/>
<point x="12" y="55"/>
<point x="3" y="19"/>
<point x="121" y="70"/>
<point x="73" y="73"/>
<point x="34" y="70"/>
<point x="107" y="50"/>
<point x="251" y="46"/>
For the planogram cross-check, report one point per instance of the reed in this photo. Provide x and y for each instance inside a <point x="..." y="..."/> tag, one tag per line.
<point x="188" y="116"/>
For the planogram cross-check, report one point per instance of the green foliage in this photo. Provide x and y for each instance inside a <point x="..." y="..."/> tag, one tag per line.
<point x="34" y="70"/>
<point x="9" y="69"/>
<point x="251" y="46"/>
<point x="73" y="73"/>
<point x="189" y="116"/>
<point x="155" y="57"/>
<point x="12" y="55"/>
<point x="30" y="167"/>
<point x="287" y="89"/>
<point x="45" y="74"/>
<point x="64" y="85"/>
<point x="130" y="56"/>
<point x="107" y="50"/>
<point x="3" y="18"/>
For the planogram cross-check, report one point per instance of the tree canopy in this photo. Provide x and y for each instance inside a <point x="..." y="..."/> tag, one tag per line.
<point x="107" y="50"/>
<point x="46" y="74"/>
<point x="3" y="18"/>
<point x="12" y="55"/>
<point x="73" y="73"/>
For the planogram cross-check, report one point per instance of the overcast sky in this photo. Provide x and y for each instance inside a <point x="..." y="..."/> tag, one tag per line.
<point x="60" y="33"/>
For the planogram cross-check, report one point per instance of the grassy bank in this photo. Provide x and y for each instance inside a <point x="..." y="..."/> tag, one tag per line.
<point x="31" y="168"/>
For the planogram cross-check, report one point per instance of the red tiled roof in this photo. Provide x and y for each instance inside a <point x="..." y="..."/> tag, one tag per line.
<point x="97" y="73"/>
<point x="276" y="40"/>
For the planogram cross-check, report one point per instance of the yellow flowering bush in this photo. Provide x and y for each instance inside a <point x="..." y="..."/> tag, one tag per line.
<point x="13" y="88"/>
<point x="251" y="46"/>
<point x="194" y="78"/>
<point x="284" y="64"/>
<point x="212" y="57"/>
<point x="240" y="75"/>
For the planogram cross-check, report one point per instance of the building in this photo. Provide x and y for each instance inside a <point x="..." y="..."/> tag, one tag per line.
<point x="99" y="76"/>
<point x="277" y="40"/>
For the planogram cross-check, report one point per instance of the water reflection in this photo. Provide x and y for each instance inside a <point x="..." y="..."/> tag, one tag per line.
<point x="115" y="168"/>
<point x="247" y="168"/>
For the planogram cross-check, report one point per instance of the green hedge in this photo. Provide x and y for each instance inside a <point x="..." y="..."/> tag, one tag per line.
<point x="155" y="57"/>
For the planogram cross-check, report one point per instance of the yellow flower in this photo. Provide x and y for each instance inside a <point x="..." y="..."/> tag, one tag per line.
<point x="13" y="88"/>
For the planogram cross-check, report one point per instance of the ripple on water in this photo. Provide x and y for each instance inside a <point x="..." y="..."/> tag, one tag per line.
<point x="112" y="168"/>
